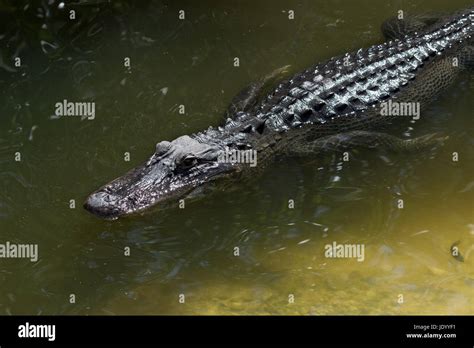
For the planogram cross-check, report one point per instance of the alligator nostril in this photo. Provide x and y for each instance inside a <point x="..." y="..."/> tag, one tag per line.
<point x="102" y="204"/>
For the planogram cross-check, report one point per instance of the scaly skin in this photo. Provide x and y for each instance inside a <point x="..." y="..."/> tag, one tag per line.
<point x="341" y="95"/>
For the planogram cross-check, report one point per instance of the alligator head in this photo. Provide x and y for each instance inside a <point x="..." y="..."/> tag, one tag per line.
<point x="174" y="171"/>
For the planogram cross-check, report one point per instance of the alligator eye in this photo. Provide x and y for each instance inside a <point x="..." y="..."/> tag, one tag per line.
<point x="162" y="147"/>
<point x="188" y="162"/>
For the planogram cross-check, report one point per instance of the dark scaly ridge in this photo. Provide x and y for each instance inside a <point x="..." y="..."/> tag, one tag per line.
<point x="333" y="89"/>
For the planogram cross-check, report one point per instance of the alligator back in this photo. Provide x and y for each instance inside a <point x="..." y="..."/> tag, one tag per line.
<point x="348" y="90"/>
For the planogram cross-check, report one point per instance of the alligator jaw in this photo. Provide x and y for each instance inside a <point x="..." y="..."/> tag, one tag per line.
<point x="139" y="188"/>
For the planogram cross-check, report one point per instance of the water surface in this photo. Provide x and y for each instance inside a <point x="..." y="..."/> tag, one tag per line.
<point x="191" y="251"/>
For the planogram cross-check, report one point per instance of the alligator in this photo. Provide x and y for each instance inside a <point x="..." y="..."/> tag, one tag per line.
<point x="331" y="105"/>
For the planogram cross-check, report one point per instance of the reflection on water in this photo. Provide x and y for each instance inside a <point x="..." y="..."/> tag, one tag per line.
<point x="280" y="267"/>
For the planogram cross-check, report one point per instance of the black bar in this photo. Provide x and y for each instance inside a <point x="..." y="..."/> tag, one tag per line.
<point x="133" y="330"/>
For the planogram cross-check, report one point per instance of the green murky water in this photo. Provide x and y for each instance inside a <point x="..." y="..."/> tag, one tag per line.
<point x="282" y="268"/>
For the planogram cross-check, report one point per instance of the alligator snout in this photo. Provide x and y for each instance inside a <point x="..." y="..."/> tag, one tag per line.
<point x="103" y="204"/>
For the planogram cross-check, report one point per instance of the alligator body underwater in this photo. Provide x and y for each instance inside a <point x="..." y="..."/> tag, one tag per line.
<point x="338" y="102"/>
